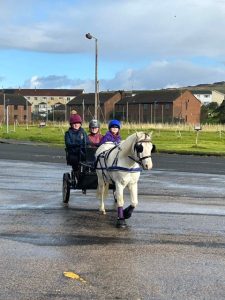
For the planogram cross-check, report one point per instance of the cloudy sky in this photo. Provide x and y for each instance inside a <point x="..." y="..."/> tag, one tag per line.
<point x="144" y="44"/>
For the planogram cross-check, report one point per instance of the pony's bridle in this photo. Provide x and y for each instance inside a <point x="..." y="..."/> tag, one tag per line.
<point x="138" y="147"/>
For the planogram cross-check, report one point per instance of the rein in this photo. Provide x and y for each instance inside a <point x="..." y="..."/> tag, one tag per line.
<point x="114" y="167"/>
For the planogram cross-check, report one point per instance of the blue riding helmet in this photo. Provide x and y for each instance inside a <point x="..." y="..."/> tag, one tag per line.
<point x="115" y="123"/>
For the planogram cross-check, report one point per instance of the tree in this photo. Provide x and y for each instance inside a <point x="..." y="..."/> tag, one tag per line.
<point x="209" y="113"/>
<point x="221" y="113"/>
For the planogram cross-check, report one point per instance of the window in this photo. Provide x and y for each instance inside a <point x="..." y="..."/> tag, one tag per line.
<point x="35" y="98"/>
<point x="42" y="105"/>
<point x="15" y="117"/>
<point x="15" y="107"/>
<point x="24" y="107"/>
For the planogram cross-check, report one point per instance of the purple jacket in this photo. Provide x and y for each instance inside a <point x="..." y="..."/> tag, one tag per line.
<point x="109" y="137"/>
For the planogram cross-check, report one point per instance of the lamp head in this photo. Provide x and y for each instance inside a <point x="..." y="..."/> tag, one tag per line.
<point x="88" y="36"/>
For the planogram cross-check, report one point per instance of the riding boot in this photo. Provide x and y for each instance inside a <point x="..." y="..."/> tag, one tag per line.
<point x="127" y="212"/>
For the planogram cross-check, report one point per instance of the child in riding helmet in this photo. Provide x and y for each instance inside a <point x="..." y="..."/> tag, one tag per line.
<point x="113" y="134"/>
<point x="94" y="135"/>
<point x="75" y="140"/>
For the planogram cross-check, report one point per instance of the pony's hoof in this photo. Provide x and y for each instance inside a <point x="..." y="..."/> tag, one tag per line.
<point x="121" y="223"/>
<point x="127" y="212"/>
<point x="102" y="212"/>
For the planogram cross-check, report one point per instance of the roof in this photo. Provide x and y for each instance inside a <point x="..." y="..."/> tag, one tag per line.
<point x="90" y="98"/>
<point x="201" y="92"/>
<point x="45" y="92"/>
<point x="215" y="91"/>
<point x="152" y="97"/>
<point x="13" y="100"/>
<point x="59" y="107"/>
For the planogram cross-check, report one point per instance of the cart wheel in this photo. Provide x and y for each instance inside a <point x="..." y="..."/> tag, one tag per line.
<point x="66" y="187"/>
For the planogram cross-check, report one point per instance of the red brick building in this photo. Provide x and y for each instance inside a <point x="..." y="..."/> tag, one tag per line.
<point x="43" y="100"/>
<point x="85" y="105"/>
<point x="162" y="106"/>
<point x="19" y="109"/>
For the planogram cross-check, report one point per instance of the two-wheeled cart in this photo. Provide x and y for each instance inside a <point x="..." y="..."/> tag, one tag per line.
<point x="85" y="178"/>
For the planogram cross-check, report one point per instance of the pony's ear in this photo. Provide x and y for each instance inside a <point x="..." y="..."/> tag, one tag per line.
<point x="150" y="134"/>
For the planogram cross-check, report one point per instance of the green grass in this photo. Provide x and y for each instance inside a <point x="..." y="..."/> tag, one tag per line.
<point x="207" y="143"/>
<point x="171" y="140"/>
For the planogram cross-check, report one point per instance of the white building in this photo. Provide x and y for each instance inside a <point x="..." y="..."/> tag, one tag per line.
<point x="204" y="96"/>
<point x="217" y="97"/>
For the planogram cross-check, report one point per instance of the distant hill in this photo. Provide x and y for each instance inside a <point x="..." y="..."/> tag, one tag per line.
<point x="218" y="86"/>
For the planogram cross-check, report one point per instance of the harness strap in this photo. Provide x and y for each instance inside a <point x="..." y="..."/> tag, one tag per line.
<point x="104" y="155"/>
<point x="140" y="159"/>
<point x="118" y="168"/>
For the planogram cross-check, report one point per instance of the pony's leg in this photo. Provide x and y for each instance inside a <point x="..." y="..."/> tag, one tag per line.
<point x="120" y="202"/>
<point x="102" y="193"/>
<point x="102" y="198"/>
<point x="119" y="195"/>
<point x="134" y="200"/>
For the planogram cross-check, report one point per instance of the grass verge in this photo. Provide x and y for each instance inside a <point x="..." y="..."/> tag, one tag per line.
<point x="183" y="140"/>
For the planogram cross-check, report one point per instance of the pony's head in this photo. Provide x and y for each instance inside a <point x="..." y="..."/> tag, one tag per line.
<point x="142" y="149"/>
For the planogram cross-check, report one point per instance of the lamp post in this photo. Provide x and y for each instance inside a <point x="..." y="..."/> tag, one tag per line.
<point x="65" y="112"/>
<point x="3" y="105"/>
<point x="7" y="115"/>
<point x="154" y="111"/>
<point x="27" y="116"/>
<point x="89" y="36"/>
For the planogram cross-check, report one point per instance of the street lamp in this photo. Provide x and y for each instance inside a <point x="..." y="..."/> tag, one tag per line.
<point x="27" y="117"/>
<point x="3" y="105"/>
<point x="7" y="115"/>
<point x="89" y="36"/>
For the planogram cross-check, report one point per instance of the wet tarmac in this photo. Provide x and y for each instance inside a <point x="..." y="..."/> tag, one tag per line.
<point x="173" y="247"/>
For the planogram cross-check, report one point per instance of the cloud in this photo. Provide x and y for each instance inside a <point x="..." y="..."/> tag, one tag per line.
<point x="160" y="74"/>
<point x="58" y="82"/>
<point x="142" y="44"/>
<point x="163" y="74"/>
<point x="152" y="28"/>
